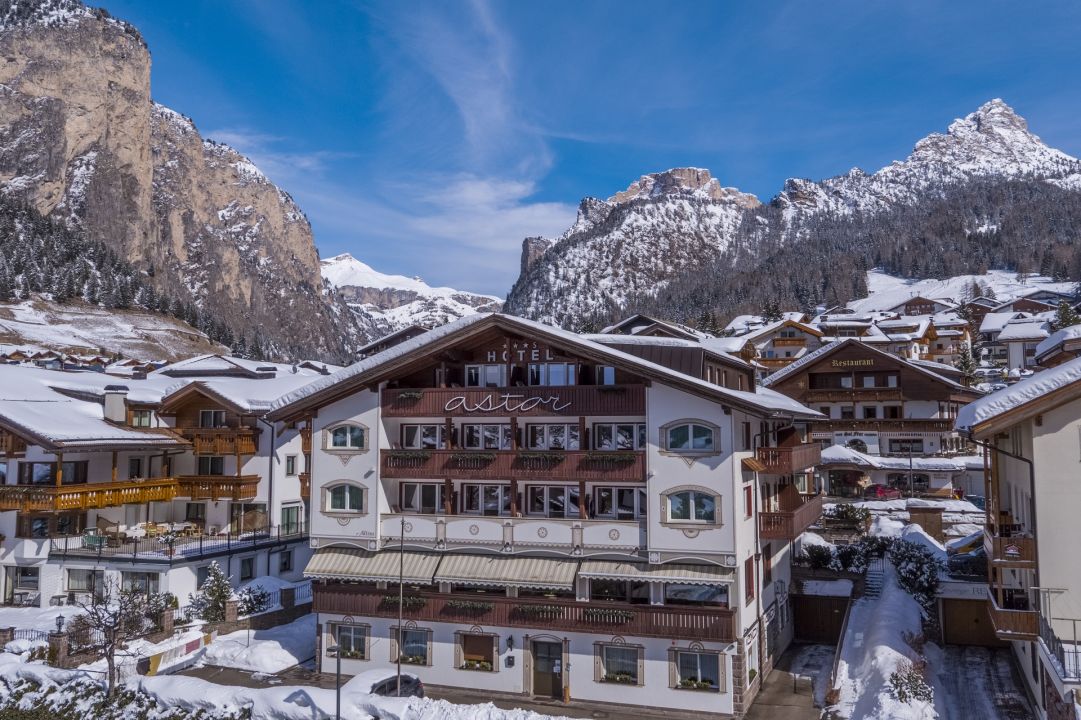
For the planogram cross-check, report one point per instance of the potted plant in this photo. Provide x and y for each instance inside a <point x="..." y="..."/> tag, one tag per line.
<point x="623" y="678"/>
<point x="168" y="541"/>
<point x="413" y="659"/>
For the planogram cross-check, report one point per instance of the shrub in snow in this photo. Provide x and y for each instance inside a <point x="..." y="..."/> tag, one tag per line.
<point x="818" y="557"/>
<point x="876" y="545"/>
<point x="848" y="513"/>
<point x="209" y="602"/>
<point x="917" y="571"/>
<point x="252" y="600"/>
<point x="908" y="686"/>
<point x="851" y="558"/>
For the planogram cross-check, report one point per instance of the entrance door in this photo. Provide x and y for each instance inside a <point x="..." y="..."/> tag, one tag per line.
<point x="548" y="669"/>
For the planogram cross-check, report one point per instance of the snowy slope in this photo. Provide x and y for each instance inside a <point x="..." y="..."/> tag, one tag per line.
<point x="886" y="291"/>
<point x="392" y="302"/>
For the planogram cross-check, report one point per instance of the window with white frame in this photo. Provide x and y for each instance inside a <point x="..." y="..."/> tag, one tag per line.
<point x="345" y="498"/>
<point x="412" y="645"/>
<point x="290" y="465"/>
<point x="285" y="561"/>
<point x="555" y="501"/>
<point x="485" y="375"/>
<point x="621" y="503"/>
<point x="692" y="506"/>
<point x="347" y="437"/>
<point x="423" y="437"/>
<point x="698" y="670"/>
<point x="424" y="498"/>
<point x="85" y="581"/>
<point x="553" y="437"/>
<point x="145" y="583"/>
<point x="247" y="568"/>
<point x="552" y="374"/>
<point x="619" y="436"/>
<point x="619" y="664"/>
<point x="352" y="640"/>
<point x="486" y="499"/>
<point x="690" y="437"/>
<point x="487" y="437"/>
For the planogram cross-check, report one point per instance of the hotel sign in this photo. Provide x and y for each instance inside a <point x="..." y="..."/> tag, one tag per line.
<point x="520" y="351"/>
<point x="862" y="362"/>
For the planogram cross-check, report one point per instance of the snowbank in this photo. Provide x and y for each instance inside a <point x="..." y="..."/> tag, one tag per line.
<point x="35" y="618"/>
<point x="882" y="526"/>
<point x="806" y="540"/>
<point x="265" y="651"/>
<point x="917" y="535"/>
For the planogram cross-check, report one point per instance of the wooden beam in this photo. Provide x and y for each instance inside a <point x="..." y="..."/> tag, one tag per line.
<point x="114" y="465"/>
<point x="59" y="469"/>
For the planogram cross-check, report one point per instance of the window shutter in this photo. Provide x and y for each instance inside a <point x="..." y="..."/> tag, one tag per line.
<point x="367" y="642"/>
<point x="598" y="664"/>
<point x="673" y="669"/>
<point x="429" y="653"/>
<point x="495" y="653"/>
<point x="394" y="652"/>
<point x="459" y="654"/>
<point x="722" y="673"/>
<point x="641" y="665"/>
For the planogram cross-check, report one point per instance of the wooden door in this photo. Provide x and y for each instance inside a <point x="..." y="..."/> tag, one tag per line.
<point x="548" y="669"/>
<point x="967" y="622"/>
<point x="817" y="618"/>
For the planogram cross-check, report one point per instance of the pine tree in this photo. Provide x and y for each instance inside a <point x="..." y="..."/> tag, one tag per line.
<point x="209" y="602"/>
<point x="1065" y="316"/>
<point x="966" y="364"/>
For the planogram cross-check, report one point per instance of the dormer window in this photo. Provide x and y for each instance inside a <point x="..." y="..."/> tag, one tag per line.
<point x="141" y="418"/>
<point x="348" y="437"/>
<point x="211" y="418"/>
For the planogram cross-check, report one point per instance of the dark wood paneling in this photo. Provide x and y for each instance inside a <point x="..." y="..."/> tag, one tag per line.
<point x="818" y="619"/>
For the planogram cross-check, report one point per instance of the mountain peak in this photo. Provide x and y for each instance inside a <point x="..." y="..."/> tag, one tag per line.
<point x="682" y="182"/>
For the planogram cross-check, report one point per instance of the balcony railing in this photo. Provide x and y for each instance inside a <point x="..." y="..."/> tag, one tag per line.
<point x="566" y="535"/>
<point x="221" y="441"/>
<point x="1011" y="624"/>
<point x="670" y="622"/>
<point x="1067" y="655"/>
<point x="883" y="425"/>
<point x="789" y="524"/>
<point x="789" y="341"/>
<point x="1013" y="550"/>
<point x="855" y="395"/>
<point x="572" y="465"/>
<point x="86" y="496"/>
<point x="218" y="487"/>
<point x="11" y="445"/>
<point x="533" y="401"/>
<point x="181" y="548"/>
<point x="789" y="460"/>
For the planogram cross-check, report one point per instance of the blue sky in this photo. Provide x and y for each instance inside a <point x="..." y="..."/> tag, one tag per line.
<point x="430" y="138"/>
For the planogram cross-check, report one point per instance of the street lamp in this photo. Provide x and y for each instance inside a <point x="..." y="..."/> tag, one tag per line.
<point x="337" y="650"/>
<point x="59" y="623"/>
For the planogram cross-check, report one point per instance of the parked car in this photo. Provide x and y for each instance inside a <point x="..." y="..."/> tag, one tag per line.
<point x="978" y="500"/>
<point x="968" y="564"/>
<point x="881" y="492"/>
<point x="384" y="681"/>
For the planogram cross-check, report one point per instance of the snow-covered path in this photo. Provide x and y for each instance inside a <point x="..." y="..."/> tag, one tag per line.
<point x="977" y="682"/>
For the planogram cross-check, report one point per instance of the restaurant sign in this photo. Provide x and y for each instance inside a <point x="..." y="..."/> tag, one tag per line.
<point x="860" y="362"/>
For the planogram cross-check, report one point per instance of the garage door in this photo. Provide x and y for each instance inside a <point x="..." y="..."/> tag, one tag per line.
<point x="966" y="622"/>
<point x="818" y="619"/>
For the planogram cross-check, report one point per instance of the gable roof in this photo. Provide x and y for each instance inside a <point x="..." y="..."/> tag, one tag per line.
<point x="382" y="365"/>
<point x="1023" y="398"/>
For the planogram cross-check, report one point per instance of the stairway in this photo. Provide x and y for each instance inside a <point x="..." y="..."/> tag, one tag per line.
<point x="872" y="583"/>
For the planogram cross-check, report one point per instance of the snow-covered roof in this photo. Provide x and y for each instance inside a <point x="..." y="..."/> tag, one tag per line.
<point x="841" y="455"/>
<point x="763" y="401"/>
<point x="1020" y="394"/>
<point x="1058" y="338"/>
<point x="994" y="321"/>
<point x="1024" y="330"/>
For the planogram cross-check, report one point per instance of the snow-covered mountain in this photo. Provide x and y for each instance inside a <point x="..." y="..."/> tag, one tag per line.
<point x="668" y="227"/>
<point x="391" y="302"/>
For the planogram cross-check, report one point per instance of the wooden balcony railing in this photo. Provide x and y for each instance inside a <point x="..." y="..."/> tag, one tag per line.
<point x="1012" y="551"/>
<point x="883" y="425"/>
<point x="306" y="439"/>
<point x="789" y="341"/>
<point x="221" y="441"/>
<point x="218" y="487"/>
<point x="670" y="622"/>
<point x="789" y="460"/>
<point x="86" y="496"/>
<point x="1013" y="624"/>
<point x="789" y="524"/>
<point x="855" y="395"/>
<point x="305" y="485"/>
<point x="572" y="465"/>
<point x="563" y="401"/>
<point x="11" y="445"/>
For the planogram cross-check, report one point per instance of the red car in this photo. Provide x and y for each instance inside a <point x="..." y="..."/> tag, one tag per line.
<point x="881" y="492"/>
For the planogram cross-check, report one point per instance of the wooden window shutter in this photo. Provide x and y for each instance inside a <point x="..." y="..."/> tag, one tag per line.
<point x="598" y="662"/>
<point x="673" y="668"/>
<point x="394" y="651"/>
<point x="495" y="653"/>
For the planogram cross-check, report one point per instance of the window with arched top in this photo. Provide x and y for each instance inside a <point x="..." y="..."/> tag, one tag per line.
<point x="690" y="506"/>
<point x="347" y="437"/>
<point x="344" y="497"/>
<point x="691" y="437"/>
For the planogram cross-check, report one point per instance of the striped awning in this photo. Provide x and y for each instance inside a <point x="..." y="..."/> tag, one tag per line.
<point x="352" y="564"/>
<point x="672" y="573"/>
<point x="526" y="572"/>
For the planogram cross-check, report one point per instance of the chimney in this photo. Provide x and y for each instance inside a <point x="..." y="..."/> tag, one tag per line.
<point x="115" y="410"/>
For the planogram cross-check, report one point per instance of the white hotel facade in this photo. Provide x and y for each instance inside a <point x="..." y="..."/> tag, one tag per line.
<point x="573" y="520"/>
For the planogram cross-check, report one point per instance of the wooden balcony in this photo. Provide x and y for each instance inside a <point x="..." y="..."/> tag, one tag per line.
<point x="1010" y="551"/>
<point x="790" y="460"/>
<point x="541" y="401"/>
<point x="787" y="525"/>
<point x="1013" y="624"/>
<point x="855" y="395"/>
<point x="572" y="465"/>
<point x="789" y="341"/>
<point x="86" y="496"/>
<point x="11" y="445"/>
<point x="883" y="425"/>
<point x="305" y="485"/>
<point x="221" y="441"/>
<point x="306" y="439"/>
<point x="669" y="622"/>
<point x="218" y="487"/>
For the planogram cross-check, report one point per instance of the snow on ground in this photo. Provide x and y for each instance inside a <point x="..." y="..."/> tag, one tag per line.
<point x="831" y="588"/>
<point x="954" y="506"/>
<point x="806" y="540"/>
<point x="976" y="682"/>
<point x="266" y="651"/>
<point x="815" y="662"/>
<point x="917" y="535"/>
<point x="874" y="646"/>
<point x="886" y="291"/>
<point x="883" y="526"/>
<point x="35" y="618"/>
<point x="127" y="660"/>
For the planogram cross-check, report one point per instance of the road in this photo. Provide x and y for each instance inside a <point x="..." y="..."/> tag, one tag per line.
<point x="979" y="682"/>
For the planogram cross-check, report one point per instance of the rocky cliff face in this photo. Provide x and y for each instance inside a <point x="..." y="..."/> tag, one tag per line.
<point x="82" y="141"/>
<point x="657" y="238"/>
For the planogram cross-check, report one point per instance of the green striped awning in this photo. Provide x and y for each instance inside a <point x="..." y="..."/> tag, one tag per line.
<point x="495" y="570"/>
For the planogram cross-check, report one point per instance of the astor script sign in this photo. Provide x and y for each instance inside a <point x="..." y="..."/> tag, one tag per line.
<point x="510" y="403"/>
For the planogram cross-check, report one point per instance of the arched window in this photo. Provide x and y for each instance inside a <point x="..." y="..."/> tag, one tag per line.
<point x="688" y="436"/>
<point x="347" y="437"/>
<point x="345" y="498"/>
<point x="692" y="506"/>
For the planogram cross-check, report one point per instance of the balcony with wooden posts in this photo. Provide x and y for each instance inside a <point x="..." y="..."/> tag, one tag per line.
<point x="1014" y="549"/>
<point x="798" y="512"/>
<point x="221" y="441"/>
<point x="601" y="618"/>
<point x="555" y="465"/>
<point x="11" y="445"/>
<point x="526" y="401"/>
<point x="855" y="394"/>
<point x="789" y="341"/>
<point x="86" y="496"/>
<point x="791" y="459"/>
<point x="1015" y="618"/>
<point x="217" y="487"/>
